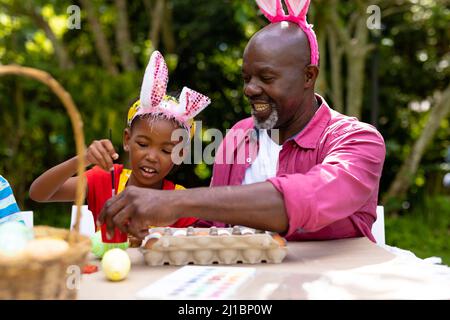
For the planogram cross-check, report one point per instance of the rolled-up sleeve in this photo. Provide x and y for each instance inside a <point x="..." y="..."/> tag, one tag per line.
<point x="342" y="183"/>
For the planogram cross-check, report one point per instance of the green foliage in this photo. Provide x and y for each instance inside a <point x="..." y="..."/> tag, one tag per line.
<point x="424" y="230"/>
<point x="414" y="54"/>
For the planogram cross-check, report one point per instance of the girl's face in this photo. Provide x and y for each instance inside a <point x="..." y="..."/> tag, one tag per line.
<point x="150" y="147"/>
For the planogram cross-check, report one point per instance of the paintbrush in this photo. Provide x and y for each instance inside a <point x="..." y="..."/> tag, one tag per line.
<point x="113" y="184"/>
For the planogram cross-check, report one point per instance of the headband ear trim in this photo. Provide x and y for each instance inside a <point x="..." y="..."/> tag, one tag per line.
<point x="193" y="102"/>
<point x="297" y="8"/>
<point x="154" y="85"/>
<point x="270" y="8"/>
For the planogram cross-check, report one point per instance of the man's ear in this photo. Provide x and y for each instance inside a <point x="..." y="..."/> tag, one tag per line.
<point x="311" y="73"/>
<point x="126" y="139"/>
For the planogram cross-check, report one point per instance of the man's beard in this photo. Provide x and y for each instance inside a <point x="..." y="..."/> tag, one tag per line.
<point x="267" y="124"/>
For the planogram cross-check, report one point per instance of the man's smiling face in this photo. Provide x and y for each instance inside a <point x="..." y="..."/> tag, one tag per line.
<point x="273" y="73"/>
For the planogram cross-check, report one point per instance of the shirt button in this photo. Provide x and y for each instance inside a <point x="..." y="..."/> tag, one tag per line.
<point x="249" y="160"/>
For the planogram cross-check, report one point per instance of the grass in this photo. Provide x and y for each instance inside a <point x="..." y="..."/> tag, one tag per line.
<point x="424" y="229"/>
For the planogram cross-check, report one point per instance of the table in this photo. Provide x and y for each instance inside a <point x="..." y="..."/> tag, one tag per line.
<point x="338" y="269"/>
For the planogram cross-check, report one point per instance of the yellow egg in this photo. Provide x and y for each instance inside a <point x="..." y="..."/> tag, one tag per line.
<point x="116" y="264"/>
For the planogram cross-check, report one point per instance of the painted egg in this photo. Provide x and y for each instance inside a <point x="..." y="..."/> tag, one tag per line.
<point x="179" y="233"/>
<point x="223" y="232"/>
<point x="99" y="248"/>
<point x="116" y="264"/>
<point x="14" y="236"/>
<point x="280" y="240"/>
<point x="134" y="242"/>
<point x="202" y="233"/>
<point x="247" y="231"/>
<point x="150" y="242"/>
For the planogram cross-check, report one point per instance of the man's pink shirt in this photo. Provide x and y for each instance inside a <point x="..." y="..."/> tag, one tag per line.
<point x="328" y="174"/>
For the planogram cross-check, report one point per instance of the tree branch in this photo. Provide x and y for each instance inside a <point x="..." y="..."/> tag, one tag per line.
<point x="64" y="61"/>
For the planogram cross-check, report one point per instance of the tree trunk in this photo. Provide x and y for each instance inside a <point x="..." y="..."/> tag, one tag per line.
<point x="168" y="37"/>
<point x="405" y="175"/>
<point x="321" y="82"/>
<point x="157" y="17"/>
<point x="355" y="84"/>
<point x="101" y="44"/>
<point x="353" y="38"/>
<point x="357" y="51"/>
<point x="15" y="141"/>
<point x="336" y="76"/>
<point x="149" y="9"/>
<point x="161" y="24"/>
<point x="123" y="40"/>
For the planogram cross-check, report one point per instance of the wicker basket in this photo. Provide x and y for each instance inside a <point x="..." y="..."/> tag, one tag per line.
<point x="44" y="279"/>
<point x="48" y="278"/>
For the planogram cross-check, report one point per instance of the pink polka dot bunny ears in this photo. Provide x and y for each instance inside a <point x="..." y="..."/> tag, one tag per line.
<point x="153" y="98"/>
<point x="273" y="10"/>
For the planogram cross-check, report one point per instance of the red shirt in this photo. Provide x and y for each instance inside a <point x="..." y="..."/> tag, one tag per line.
<point x="99" y="191"/>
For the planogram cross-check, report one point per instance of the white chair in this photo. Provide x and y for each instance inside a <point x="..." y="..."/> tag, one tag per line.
<point x="378" y="227"/>
<point x="87" y="224"/>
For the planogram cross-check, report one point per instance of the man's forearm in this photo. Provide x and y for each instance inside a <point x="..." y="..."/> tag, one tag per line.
<point x="257" y="205"/>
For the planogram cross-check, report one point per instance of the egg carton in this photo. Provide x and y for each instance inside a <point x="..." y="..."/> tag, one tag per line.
<point x="207" y="246"/>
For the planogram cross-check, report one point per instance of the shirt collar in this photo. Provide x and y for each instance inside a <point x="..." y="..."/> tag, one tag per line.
<point x="309" y="136"/>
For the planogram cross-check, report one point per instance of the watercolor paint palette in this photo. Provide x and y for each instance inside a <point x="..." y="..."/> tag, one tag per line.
<point x="207" y="246"/>
<point x="198" y="282"/>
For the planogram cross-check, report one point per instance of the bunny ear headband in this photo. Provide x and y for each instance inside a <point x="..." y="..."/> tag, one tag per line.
<point x="273" y="10"/>
<point x="153" y="99"/>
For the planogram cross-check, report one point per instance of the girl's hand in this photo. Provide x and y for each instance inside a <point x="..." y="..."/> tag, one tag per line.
<point x="101" y="153"/>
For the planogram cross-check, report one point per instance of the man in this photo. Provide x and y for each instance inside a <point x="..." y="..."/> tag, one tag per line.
<point x="329" y="165"/>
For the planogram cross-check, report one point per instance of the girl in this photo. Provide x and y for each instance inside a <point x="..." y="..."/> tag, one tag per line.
<point x="148" y="139"/>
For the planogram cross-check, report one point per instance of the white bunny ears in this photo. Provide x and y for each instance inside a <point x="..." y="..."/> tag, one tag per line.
<point x="153" y="99"/>
<point x="273" y="10"/>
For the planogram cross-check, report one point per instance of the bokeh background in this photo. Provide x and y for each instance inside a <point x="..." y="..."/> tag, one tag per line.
<point x="395" y="76"/>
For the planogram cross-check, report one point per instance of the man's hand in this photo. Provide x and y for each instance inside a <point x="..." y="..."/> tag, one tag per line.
<point x="135" y="209"/>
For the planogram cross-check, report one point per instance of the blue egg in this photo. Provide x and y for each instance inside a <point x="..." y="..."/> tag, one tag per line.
<point x="14" y="236"/>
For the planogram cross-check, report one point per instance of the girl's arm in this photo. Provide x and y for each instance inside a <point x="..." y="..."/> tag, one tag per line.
<point x="59" y="183"/>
